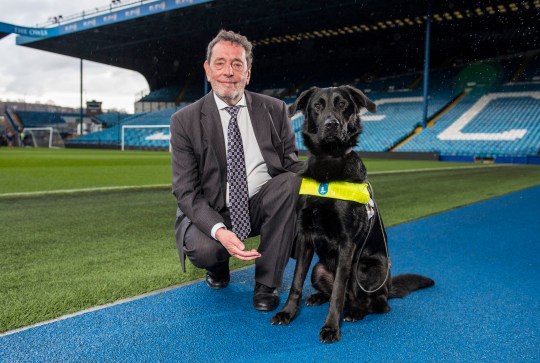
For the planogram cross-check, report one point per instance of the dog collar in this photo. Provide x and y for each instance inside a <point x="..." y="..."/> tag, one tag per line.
<point x="355" y="192"/>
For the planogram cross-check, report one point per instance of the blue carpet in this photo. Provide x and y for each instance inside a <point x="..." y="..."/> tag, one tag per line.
<point x="484" y="307"/>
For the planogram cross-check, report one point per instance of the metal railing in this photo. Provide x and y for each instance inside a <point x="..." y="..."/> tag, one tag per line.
<point x="113" y="6"/>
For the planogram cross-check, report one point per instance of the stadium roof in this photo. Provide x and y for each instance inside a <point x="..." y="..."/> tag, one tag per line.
<point x="166" y="40"/>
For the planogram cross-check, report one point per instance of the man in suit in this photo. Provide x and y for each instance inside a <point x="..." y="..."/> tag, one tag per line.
<point x="234" y="164"/>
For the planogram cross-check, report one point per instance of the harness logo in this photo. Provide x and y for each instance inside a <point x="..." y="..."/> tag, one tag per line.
<point x="323" y="188"/>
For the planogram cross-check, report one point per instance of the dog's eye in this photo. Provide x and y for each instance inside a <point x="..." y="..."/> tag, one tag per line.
<point x="341" y="104"/>
<point x="317" y="107"/>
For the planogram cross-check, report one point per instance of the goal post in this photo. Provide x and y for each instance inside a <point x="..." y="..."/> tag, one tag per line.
<point x="42" y="137"/>
<point x="143" y="136"/>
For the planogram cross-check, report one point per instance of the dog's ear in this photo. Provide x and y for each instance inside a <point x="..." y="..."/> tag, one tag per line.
<point x="361" y="99"/>
<point x="301" y="102"/>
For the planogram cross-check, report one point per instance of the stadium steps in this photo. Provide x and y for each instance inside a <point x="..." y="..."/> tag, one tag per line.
<point x="415" y="132"/>
<point x="14" y="119"/>
<point x="520" y="70"/>
<point x="446" y="108"/>
<point x="416" y="82"/>
<point x="431" y="121"/>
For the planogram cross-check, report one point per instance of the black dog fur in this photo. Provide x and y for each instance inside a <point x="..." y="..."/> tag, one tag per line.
<point x="337" y="229"/>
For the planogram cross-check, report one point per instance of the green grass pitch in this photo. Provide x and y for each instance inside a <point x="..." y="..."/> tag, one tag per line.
<point x="82" y="228"/>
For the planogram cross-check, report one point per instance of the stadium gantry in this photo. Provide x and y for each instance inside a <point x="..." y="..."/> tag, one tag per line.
<point x="479" y="51"/>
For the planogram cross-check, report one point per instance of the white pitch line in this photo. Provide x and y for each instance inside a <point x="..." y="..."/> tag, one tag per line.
<point x="82" y="190"/>
<point x="104" y="306"/>
<point x="96" y="308"/>
<point x="151" y="186"/>
<point x="436" y="169"/>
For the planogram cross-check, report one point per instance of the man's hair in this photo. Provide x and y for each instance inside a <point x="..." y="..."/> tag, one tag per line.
<point x="230" y="36"/>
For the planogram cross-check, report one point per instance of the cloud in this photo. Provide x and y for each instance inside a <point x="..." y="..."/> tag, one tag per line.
<point x="36" y="75"/>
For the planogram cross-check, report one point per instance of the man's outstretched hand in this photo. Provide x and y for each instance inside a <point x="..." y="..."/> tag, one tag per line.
<point x="234" y="246"/>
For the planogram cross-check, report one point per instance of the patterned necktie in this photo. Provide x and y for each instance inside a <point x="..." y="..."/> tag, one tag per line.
<point x="236" y="176"/>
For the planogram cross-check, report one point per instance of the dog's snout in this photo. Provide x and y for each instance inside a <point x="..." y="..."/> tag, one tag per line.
<point x="331" y="123"/>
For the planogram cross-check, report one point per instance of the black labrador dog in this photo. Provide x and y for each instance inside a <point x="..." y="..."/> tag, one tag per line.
<point x="353" y="271"/>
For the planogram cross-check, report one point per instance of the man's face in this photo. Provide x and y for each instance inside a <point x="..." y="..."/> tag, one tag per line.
<point x="227" y="71"/>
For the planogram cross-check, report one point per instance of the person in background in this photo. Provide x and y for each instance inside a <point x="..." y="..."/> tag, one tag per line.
<point x="9" y="137"/>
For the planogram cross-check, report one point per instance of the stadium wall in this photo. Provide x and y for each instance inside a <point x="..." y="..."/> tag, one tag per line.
<point x="530" y="160"/>
<point x="392" y="155"/>
<point x="151" y="106"/>
<point x="93" y="146"/>
<point x="400" y="155"/>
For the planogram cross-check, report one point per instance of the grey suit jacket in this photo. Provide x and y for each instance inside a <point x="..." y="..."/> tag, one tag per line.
<point x="199" y="169"/>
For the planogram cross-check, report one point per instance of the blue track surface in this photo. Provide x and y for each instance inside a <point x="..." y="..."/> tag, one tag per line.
<point x="484" y="307"/>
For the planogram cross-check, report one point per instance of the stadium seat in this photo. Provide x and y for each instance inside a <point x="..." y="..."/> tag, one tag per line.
<point x="502" y="122"/>
<point x="145" y="137"/>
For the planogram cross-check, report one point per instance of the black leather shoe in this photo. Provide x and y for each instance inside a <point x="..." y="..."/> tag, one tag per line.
<point x="218" y="280"/>
<point x="265" y="298"/>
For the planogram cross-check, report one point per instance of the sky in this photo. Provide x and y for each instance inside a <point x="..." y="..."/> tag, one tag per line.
<point x="33" y="75"/>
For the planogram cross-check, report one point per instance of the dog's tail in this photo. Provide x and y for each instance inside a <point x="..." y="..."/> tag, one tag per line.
<point x="404" y="284"/>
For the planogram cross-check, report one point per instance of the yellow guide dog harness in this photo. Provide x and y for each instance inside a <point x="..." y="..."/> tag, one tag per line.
<point x="355" y="192"/>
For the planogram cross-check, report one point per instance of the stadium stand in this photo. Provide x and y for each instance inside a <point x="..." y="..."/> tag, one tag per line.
<point x="141" y="134"/>
<point x="447" y="79"/>
<point x="165" y="94"/>
<point x="169" y="97"/>
<point x="480" y="56"/>
<point x="62" y="122"/>
<point x="389" y="84"/>
<point x="110" y="119"/>
<point x="399" y="101"/>
<point x="297" y="120"/>
<point x="398" y="114"/>
<point x="39" y="119"/>
<point x="530" y="72"/>
<point x="500" y="123"/>
<point x="473" y="113"/>
<point x="107" y="137"/>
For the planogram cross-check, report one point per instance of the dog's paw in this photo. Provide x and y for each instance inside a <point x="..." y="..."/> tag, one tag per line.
<point x="317" y="299"/>
<point x="329" y="335"/>
<point x="282" y="318"/>
<point x="380" y="306"/>
<point x="354" y="315"/>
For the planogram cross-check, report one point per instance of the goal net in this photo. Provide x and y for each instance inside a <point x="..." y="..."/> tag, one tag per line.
<point x="146" y="137"/>
<point x="42" y="137"/>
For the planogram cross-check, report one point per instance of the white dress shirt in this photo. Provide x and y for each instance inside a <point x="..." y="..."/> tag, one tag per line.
<point x="256" y="169"/>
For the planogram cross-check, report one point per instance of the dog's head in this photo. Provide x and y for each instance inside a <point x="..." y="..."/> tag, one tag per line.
<point x="332" y="118"/>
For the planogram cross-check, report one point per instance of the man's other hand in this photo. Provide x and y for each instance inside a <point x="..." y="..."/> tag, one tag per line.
<point x="235" y="246"/>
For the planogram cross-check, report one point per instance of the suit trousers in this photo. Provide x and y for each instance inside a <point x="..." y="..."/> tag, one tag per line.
<point x="272" y="216"/>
